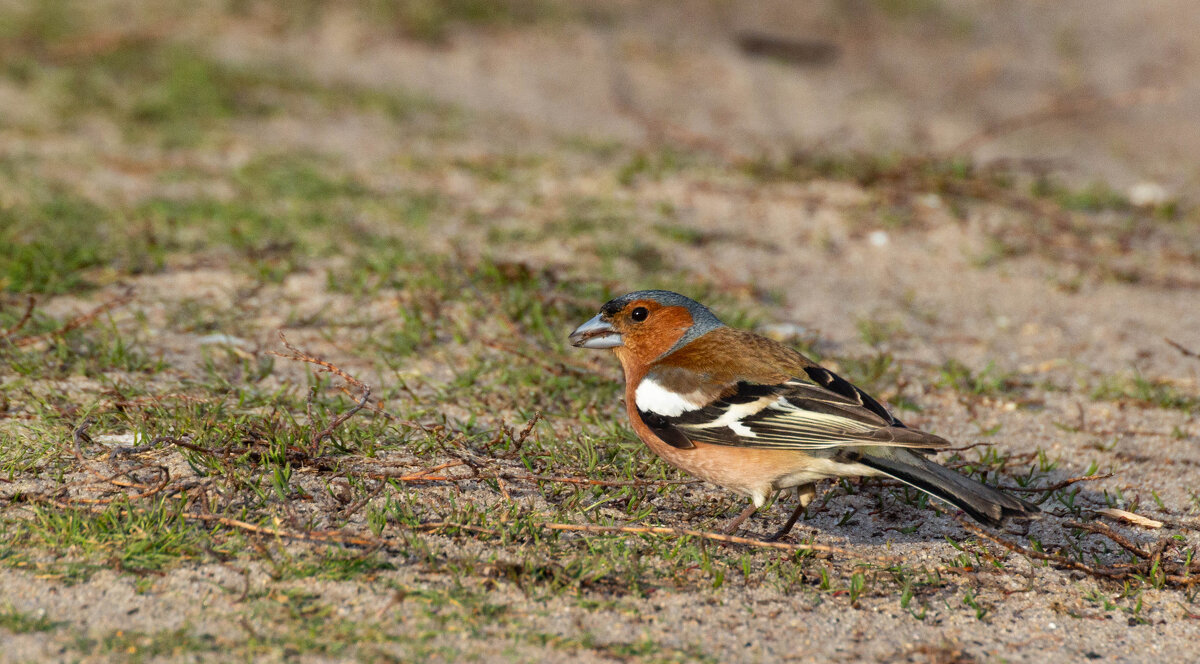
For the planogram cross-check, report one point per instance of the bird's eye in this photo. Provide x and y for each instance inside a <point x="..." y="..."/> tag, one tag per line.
<point x="639" y="314"/>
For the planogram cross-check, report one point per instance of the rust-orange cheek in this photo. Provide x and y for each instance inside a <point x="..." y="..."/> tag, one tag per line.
<point x="656" y="336"/>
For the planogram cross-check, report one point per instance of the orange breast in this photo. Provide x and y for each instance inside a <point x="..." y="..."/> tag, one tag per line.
<point x="752" y="472"/>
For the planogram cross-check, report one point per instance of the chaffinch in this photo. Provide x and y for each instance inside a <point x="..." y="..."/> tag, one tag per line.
<point x="754" y="416"/>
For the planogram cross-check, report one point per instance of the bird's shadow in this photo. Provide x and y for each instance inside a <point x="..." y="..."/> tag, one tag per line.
<point x="873" y="512"/>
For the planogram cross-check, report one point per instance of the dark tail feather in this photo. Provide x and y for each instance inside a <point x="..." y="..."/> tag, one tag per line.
<point x="984" y="503"/>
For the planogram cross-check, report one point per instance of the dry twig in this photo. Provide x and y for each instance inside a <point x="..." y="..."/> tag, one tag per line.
<point x="1177" y="575"/>
<point x="4" y="334"/>
<point x="1060" y="109"/>
<point x="324" y="366"/>
<point x="79" y="321"/>
<point x="1185" y="351"/>
<point x="1058" y="485"/>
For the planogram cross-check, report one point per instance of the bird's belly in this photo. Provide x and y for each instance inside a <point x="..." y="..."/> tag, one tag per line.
<point x="756" y="473"/>
<point x="820" y="468"/>
<point x="750" y="471"/>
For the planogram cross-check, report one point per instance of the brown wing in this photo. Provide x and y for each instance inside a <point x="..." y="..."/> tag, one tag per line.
<point x="795" y="414"/>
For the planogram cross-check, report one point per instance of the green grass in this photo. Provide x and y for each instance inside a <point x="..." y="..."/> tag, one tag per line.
<point x="18" y="622"/>
<point x="99" y="353"/>
<point x="134" y="646"/>
<point x="144" y="538"/>
<point x="284" y="209"/>
<point x="989" y="381"/>
<point x="1147" y="392"/>
<point x="1097" y="197"/>
<point x="433" y="21"/>
<point x="52" y="241"/>
<point x="876" y="332"/>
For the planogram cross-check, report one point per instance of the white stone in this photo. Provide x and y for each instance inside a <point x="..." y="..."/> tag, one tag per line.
<point x="1147" y="194"/>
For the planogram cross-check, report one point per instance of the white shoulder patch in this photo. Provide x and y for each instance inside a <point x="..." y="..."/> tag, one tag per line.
<point x="654" y="398"/>
<point x="734" y="414"/>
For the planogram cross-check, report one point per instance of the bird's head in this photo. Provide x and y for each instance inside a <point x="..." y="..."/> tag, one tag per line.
<point x="646" y="325"/>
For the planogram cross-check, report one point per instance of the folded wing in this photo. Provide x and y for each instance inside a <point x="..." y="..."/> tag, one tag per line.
<point x="821" y="413"/>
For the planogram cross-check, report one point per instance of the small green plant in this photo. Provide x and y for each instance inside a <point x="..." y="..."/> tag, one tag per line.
<point x="858" y="583"/>
<point x="990" y="381"/>
<point x="875" y="332"/>
<point x="972" y="601"/>
<point x="19" y="622"/>
<point x="1147" y="392"/>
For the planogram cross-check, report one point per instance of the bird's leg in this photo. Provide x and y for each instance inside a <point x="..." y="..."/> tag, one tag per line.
<point x="731" y="527"/>
<point x="804" y="495"/>
<point x="787" y="527"/>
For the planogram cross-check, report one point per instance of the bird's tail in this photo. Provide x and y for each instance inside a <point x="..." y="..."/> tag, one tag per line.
<point x="982" y="502"/>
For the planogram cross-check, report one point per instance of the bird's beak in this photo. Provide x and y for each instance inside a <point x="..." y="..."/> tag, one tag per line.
<point x="596" y="333"/>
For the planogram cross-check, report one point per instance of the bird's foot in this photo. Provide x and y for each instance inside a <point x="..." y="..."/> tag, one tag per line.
<point x="732" y="527"/>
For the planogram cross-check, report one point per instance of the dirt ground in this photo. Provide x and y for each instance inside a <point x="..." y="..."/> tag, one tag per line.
<point x="983" y="213"/>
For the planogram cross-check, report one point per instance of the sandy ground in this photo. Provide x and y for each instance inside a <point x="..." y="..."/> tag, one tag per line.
<point x="1100" y="92"/>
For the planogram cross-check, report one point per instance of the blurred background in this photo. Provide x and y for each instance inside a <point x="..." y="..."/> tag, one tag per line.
<point x="1097" y="91"/>
<point x="746" y="146"/>
<point x="981" y="212"/>
<point x="133" y="134"/>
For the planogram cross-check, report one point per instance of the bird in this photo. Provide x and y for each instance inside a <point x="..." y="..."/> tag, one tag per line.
<point x="757" y="417"/>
